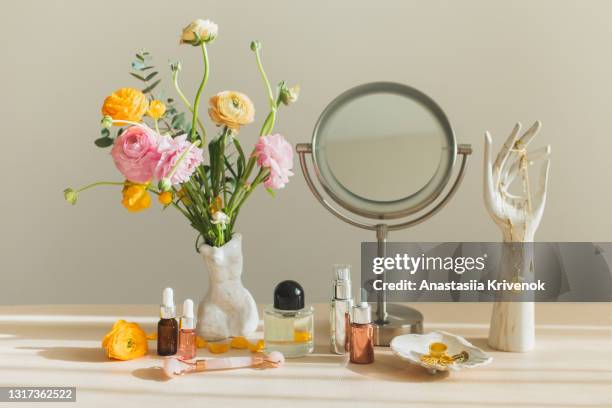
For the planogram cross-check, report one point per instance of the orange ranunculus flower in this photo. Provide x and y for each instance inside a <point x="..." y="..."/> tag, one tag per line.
<point x="125" y="341"/>
<point x="135" y="197"/>
<point x="125" y="104"/>
<point x="156" y="109"/>
<point x="231" y="109"/>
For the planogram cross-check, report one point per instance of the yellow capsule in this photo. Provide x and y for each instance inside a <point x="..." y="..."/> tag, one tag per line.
<point x="257" y="347"/>
<point x="218" y="348"/>
<point x="239" y="343"/>
<point x="152" y="336"/>
<point x="201" y="343"/>
<point x="301" y="336"/>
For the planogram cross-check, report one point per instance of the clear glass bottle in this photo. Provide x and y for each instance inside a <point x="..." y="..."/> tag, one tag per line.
<point x="341" y="308"/>
<point x="288" y="323"/>
<point x="187" y="333"/>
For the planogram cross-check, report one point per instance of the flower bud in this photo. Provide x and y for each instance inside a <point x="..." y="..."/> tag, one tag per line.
<point x="107" y="121"/>
<point x="165" y="184"/>
<point x="289" y="95"/>
<point x="198" y="32"/>
<point x="70" y="195"/>
<point x="220" y="218"/>
<point x="255" y="46"/>
<point x="175" y="66"/>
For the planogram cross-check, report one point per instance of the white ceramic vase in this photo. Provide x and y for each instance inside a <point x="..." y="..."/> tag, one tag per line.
<point x="228" y="309"/>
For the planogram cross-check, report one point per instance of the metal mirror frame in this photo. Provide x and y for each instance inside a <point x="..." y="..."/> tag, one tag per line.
<point x="401" y="319"/>
<point x="398" y="208"/>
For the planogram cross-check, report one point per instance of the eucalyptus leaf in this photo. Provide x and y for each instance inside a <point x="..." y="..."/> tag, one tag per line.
<point x="137" y="76"/>
<point x="137" y="65"/>
<point x="103" y="142"/>
<point x="150" y="76"/>
<point x="151" y="87"/>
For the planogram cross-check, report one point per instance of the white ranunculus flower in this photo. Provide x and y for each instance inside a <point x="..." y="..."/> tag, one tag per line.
<point x="206" y="30"/>
<point x="219" y="217"/>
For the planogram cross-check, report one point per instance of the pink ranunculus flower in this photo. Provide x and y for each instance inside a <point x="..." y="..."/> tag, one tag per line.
<point x="135" y="153"/>
<point x="171" y="150"/>
<point x="275" y="153"/>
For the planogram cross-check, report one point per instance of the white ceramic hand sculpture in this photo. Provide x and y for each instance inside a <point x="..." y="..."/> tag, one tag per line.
<point x="518" y="216"/>
<point x="228" y="309"/>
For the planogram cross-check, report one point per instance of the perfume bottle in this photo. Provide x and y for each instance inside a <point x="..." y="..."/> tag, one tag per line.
<point x="187" y="333"/>
<point x="167" y="327"/>
<point x="362" y="333"/>
<point x="288" y="324"/>
<point x="341" y="305"/>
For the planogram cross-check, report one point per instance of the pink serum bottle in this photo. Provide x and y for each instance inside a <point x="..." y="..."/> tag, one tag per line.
<point x="187" y="333"/>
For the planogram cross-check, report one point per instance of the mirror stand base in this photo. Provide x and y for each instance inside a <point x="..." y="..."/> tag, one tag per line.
<point x="400" y="320"/>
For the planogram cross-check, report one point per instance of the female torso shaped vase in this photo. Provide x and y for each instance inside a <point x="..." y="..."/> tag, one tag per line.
<point x="228" y="309"/>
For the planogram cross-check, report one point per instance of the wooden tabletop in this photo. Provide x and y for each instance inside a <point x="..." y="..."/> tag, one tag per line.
<point x="60" y="346"/>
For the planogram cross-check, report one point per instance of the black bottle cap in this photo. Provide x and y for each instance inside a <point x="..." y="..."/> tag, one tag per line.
<point x="288" y="295"/>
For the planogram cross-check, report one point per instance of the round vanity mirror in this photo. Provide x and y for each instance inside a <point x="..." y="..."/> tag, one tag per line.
<point x="383" y="150"/>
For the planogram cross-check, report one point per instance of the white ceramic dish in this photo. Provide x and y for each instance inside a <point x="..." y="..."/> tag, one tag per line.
<point x="412" y="346"/>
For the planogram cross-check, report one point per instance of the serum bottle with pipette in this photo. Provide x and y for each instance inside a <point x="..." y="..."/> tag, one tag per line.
<point x="167" y="327"/>
<point x="187" y="334"/>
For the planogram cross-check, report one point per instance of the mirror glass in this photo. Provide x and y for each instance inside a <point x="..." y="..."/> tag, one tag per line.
<point x="384" y="149"/>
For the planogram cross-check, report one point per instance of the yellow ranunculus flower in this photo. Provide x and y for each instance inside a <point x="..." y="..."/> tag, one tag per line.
<point x="135" y="197"/>
<point x="232" y="109"/>
<point x="125" y="341"/>
<point x="156" y="109"/>
<point x="125" y="104"/>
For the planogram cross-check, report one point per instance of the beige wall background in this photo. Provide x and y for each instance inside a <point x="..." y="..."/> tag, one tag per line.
<point x="487" y="63"/>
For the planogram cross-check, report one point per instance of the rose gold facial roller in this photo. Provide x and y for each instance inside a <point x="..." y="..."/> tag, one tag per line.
<point x="174" y="366"/>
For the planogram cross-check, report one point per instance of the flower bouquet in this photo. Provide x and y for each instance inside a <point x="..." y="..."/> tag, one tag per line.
<point x="160" y="149"/>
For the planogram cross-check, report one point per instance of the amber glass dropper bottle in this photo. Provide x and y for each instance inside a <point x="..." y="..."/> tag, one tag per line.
<point x="167" y="327"/>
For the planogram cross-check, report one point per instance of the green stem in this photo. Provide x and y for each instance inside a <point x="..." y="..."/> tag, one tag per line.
<point x="196" y="102"/>
<point x="261" y="176"/>
<point x="185" y="101"/>
<point x="269" y="122"/>
<point x="100" y="183"/>
<point x="265" y="79"/>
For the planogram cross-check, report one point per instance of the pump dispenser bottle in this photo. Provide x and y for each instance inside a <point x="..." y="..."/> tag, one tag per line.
<point x="341" y="305"/>
<point x="187" y="333"/>
<point x="362" y="332"/>
<point x="167" y="327"/>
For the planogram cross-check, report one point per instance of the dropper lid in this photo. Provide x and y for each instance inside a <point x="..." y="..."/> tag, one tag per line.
<point x="167" y="309"/>
<point x="188" y="320"/>
<point x="342" y="282"/>
<point x="362" y="312"/>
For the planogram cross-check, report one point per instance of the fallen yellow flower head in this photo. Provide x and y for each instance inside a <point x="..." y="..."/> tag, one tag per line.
<point x="125" y="341"/>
